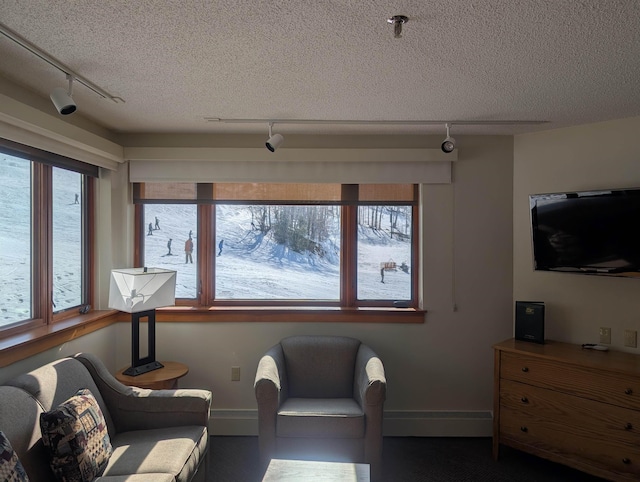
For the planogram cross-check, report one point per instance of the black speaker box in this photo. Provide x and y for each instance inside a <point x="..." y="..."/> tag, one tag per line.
<point x="530" y="321"/>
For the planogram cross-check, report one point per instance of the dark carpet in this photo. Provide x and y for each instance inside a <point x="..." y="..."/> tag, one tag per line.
<point x="411" y="459"/>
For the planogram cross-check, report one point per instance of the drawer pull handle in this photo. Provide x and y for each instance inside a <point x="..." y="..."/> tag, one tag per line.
<point x="628" y="391"/>
<point x="628" y="427"/>
<point x="524" y="400"/>
<point x="525" y="369"/>
<point x="626" y="461"/>
<point x="524" y="429"/>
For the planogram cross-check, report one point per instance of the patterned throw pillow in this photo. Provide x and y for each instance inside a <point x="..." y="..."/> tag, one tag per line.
<point x="11" y="470"/>
<point x="76" y="435"/>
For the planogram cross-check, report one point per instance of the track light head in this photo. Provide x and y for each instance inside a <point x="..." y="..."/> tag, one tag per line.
<point x="449" y="144"/>
<point x="274" y="141"/>
<point x="62" y="99"/>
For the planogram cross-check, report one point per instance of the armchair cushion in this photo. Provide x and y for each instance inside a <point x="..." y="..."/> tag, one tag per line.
<point x="320" y="366"/>
<point x="320" y="417"/>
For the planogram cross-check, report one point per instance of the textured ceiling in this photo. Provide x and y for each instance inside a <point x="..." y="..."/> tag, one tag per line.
<point x="175" y="63"/>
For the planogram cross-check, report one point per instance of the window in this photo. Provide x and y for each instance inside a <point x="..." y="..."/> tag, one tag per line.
<point x="69" y="256"/>
<point x="169" y="229"/>
<point x="384" y="252"/>
<point x="282" y="244"/>
<point x="45" y="236"/>
<point x="16" y="236"/>
<point x="277" y="252"/>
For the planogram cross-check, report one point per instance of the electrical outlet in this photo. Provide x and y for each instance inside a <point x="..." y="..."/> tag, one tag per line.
<point x="235" y="374"/>
<point x="631" y="338"/>
<point x="605" y="335"/>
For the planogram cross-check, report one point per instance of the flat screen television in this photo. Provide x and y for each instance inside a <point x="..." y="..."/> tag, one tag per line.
<point x="590" y="232"/>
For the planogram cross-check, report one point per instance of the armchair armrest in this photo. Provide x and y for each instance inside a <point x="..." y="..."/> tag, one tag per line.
<point x="370" y="382"/>
<point x="370" y="391"/>
<point x="271" y="378"/>
<point x="139" y="409"/>
<point x="270" y="387"/>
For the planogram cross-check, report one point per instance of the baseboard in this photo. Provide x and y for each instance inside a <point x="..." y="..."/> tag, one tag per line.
<point x="233" y="422"/>
<point x="396" y="423"/>
<point x="437" y="424"/>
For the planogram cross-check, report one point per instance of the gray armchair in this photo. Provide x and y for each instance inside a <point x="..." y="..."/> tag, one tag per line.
<point x="321" y="398"/>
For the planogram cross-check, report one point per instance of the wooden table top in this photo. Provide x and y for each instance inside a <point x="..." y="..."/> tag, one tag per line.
<point x="171" y="371"/>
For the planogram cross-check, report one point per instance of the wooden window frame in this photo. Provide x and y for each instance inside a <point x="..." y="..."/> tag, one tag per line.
<point x="43" y="317"/>
<point x="206" y="308"/>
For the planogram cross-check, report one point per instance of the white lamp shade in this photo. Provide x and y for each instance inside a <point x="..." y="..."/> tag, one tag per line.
<point x="140" y="289"/>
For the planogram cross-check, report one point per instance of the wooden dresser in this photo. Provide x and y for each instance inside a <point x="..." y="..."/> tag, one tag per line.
<point x="570" y="405"/>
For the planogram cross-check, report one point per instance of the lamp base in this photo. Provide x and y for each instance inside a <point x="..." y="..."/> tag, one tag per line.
<point x="146" y="368"/>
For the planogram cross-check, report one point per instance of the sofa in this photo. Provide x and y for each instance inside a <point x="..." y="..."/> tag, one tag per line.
<point x="153" y="435"/>
<point x="321" y="398"/>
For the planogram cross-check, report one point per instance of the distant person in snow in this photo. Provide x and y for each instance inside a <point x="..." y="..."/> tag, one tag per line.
<point x="220" y="246"/>
<point x="381" y="275"/>
<point x="190" y="232"/>
<point x="77" y="201"/>
<point x="157" y="223"/>
<point x="188" y="250"/>
<point x="150" y="233"/>
<point x="169" y="247"/>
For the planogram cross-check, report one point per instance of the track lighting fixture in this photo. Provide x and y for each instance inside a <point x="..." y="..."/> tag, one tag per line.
<point x="397" y="21"/>
<point x="61" y="98"/>
<point x="48" y="58"/>
<point x="274" y="140"/>
<point x="449" y="144"/>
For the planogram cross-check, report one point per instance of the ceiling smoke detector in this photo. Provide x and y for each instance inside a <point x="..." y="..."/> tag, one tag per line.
<point x="398" y="21"/>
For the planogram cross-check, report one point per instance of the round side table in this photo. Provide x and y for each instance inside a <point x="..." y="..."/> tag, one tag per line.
<point x="165" y="378"/>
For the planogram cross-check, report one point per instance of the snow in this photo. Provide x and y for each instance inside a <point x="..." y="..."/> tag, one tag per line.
<point x="250" y="266"/>
<point x="253" y="266"/>
<point x="16" y="239"/>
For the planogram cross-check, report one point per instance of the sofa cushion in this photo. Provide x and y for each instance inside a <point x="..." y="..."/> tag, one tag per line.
<point x="173" y="450"/>
<point x="55" y="382"/>
<point x="76" y="435"/>
<point x="20" y="422"/>
<point x="320" y="417"/>
<point x="11" y="470"/>
<point x="137" y="478"/>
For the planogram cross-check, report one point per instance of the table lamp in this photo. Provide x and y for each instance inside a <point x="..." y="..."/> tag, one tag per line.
<point x="140" y="291"/>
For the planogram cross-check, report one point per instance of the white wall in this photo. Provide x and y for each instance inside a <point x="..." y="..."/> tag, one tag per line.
<point x="99" y="342"/>
<point x="440" y="373"/>
<point x="597" y="156"/>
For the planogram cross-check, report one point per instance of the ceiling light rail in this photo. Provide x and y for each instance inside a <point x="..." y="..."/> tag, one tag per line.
<point x="25" y="44"/>
<point x="378" y="122"/>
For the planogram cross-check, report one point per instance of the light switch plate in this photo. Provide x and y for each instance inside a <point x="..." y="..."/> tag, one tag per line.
<point x="605" y="335"/>
<point x="631" y="338"/>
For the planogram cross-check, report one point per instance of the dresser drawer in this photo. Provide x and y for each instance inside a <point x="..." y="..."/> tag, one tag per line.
<point x="571" y="427"/>
<point x="584" y="381"/>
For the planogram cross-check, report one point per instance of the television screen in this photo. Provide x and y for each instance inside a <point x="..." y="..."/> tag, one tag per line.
<point x="592" y="232"/>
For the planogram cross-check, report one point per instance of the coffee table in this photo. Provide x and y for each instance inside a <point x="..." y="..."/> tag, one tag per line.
<point x="281" y="470"/>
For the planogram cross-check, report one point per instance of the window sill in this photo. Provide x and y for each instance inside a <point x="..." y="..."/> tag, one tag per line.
<point x="295" y="314"/>
<point x="23" y="345"/>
